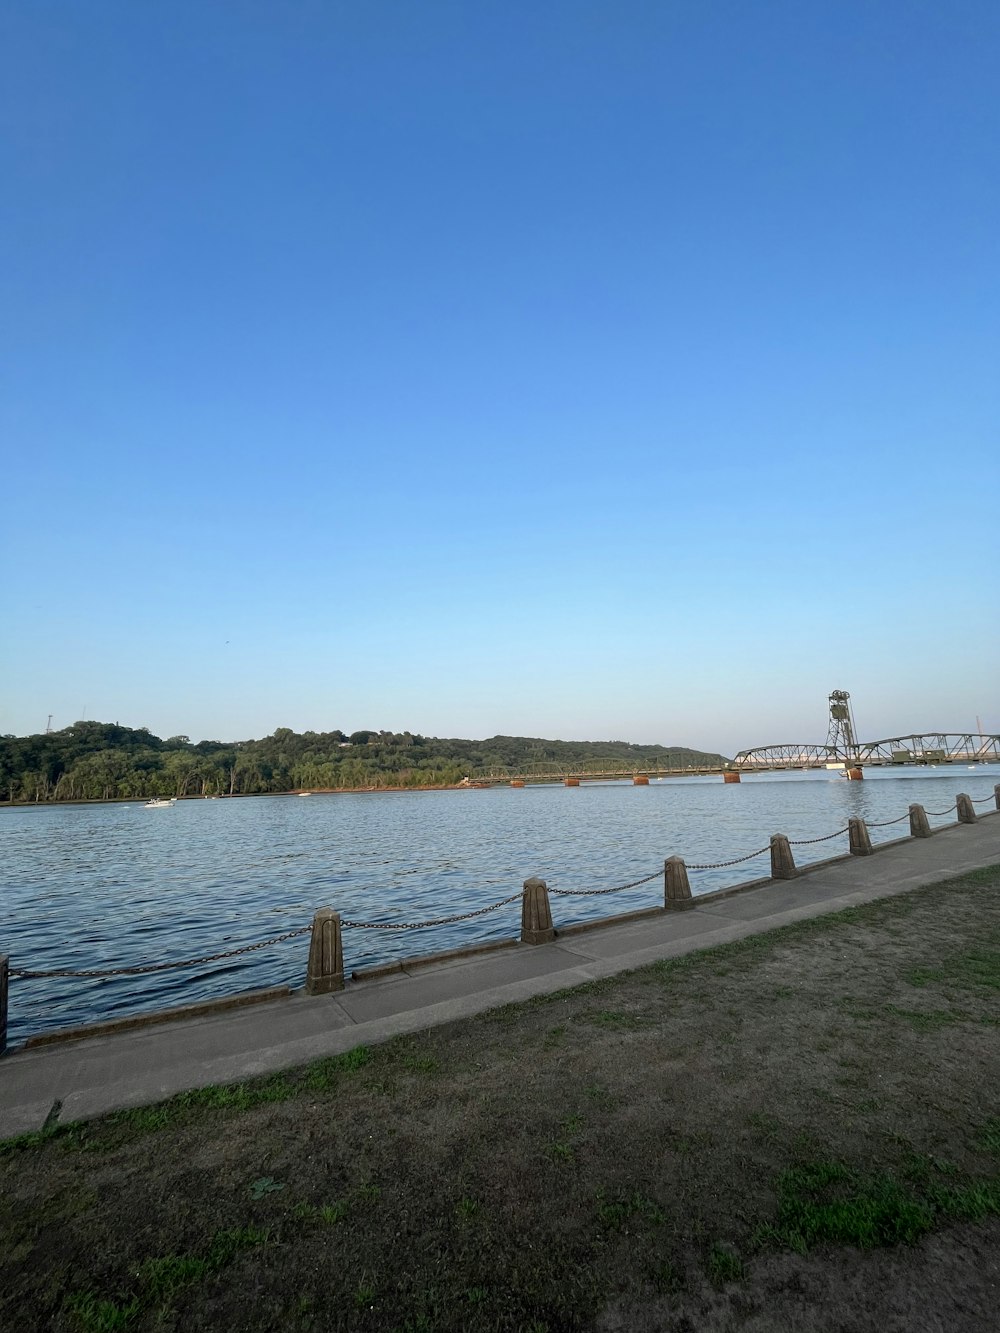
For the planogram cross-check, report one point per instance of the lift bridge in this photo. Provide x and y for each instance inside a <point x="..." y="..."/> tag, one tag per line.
<point x="844" y="750"/>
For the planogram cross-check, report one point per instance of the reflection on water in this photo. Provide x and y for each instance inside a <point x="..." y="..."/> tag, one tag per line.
<point x="119" y="885"/>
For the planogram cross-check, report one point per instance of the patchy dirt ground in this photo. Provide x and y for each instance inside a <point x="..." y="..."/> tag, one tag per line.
<point x="800" y="1131"/>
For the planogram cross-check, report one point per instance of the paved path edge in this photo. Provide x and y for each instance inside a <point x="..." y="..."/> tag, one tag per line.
<point x="83" y="1079"/>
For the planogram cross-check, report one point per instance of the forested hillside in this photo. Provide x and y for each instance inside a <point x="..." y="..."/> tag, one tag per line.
<point x="103" y="761"/>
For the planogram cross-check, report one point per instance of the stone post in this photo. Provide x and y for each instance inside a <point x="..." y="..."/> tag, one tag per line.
<point x="861" y="843"/>
<point x="326" y="954"/>
<point x="536" y="914"/>
<point x="966" y="810"/>
<point x="4" y="975"/>
<point x="919" y="824"/>
<point x="782" y="861"/>
<point x="676" y="889"/>
<point x="996" y="794"/>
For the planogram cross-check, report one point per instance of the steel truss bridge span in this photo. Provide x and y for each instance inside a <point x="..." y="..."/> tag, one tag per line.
<point x="932" y="747"/>
<point x="592" y="770"/>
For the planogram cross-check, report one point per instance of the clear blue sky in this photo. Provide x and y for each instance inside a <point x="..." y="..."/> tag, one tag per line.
<point x="585" y="370"/>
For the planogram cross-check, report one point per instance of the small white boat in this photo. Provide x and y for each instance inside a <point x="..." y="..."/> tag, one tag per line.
<point x="161" y="803"/>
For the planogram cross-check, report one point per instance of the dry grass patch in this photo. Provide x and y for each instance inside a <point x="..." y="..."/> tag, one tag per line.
<point x="799" y="1130"/>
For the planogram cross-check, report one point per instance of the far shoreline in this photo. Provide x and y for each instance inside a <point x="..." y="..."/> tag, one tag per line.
<point x="247" y="795"/>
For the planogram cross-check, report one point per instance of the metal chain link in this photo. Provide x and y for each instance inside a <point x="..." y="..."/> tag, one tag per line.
<point x="161" y="967"/>
<point x="634" y="884"/>
<point x="597" y="893"/>
<point x="447" y="920"/>
<point x="422" y="925"/>
<point x="721" y="865"/>
<point x="806" y="842"/>
<point x="981" y="800"/>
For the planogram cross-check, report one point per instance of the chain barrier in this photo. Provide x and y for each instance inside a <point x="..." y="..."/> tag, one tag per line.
<point x="423" y="925"/>
<point x="448" y="920"/>
<point x="597" y="893"/>
<point x="806" y="842"/>
<point x="721" y="865"/>
<point x="981" y="800"/>
<point x="160" y="967"/>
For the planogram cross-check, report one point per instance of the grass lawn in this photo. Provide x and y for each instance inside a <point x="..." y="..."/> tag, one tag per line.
<point x="800" y="1131"/>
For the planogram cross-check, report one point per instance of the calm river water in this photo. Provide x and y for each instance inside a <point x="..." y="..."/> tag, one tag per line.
<point x="118" y="885"/>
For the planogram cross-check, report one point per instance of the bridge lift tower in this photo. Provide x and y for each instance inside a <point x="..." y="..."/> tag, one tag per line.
<point x="842" y="736"/>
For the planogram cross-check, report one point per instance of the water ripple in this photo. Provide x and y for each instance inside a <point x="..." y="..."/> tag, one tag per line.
<point x="113" y="886"/>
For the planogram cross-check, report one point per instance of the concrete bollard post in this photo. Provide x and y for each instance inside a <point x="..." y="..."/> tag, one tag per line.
<point x="782" y="861"/>
<point x="326" y="954"/>
<point x="861" y="843"/>
<point x="676" y="889"/>
<point x="536" y="914"/>
<point x="4" y="979"/>
<point x="919" y="824"/>
<point x="996" y="794"/>
<point x="966" y="810"/>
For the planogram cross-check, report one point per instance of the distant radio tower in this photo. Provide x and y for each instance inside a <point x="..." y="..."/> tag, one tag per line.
<point x="48" y="726"/>
<point x="841" y="736"/>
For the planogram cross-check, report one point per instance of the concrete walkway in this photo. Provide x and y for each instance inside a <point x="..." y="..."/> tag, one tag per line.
<point x="132" y="1068"/>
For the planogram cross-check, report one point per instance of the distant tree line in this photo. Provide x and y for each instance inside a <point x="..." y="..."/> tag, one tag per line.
<point x="104" y="761"/>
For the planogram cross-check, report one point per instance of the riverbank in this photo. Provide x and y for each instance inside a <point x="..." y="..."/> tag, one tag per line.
<point x="796" y="1129"/>
<point x="468" y="784"/>
<point x="234" y="796"/>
